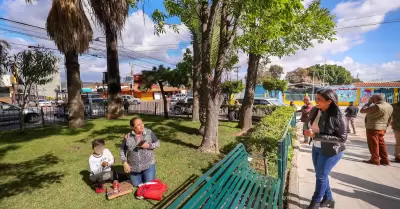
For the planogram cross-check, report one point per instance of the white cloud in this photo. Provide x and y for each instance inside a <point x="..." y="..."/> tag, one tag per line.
<point x="138" y="35"/>
<point x="348" y="14"/>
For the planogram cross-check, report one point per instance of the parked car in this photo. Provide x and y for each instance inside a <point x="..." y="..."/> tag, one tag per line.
<point x="9" y="113"/>
<point x="178" y="96"/>
<point x="94" y="104"/>
<point x="265" y="101"/>
<point x="183" y="106"/>
<point x="44" y="103"/>
<point x="131" y="99"/>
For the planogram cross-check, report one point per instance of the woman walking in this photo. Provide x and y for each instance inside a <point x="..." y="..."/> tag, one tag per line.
<point x="328" y="130"/>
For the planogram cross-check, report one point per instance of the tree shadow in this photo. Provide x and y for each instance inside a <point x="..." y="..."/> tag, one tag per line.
<point x="118" y="174"/>
<point x="185" y="129"/>
<point x="301" y="199"/>
<point x="176" y="193"/>
<point x="15" y="136"/>
<point x="29" y="175"/>
<point x="4" y="150"/>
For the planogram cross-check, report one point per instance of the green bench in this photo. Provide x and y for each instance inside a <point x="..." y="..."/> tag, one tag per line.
<point x="231" y="183"/>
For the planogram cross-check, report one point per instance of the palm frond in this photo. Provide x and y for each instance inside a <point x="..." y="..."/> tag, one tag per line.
<point x="110" y="14"/>
<point x="68" y="26"/>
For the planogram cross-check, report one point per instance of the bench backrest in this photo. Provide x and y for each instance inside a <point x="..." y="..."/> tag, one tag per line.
<point x="238" y="157"/>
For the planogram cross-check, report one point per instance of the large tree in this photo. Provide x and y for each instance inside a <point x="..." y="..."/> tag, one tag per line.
<point x="332" y="74"/>
<point x="160" y="76"/>
<point x="70" y="29"/>
<point x="4" y="48"/>
<point x="30" y="68"/>
<point x="278" y="28"/>
<point x="187" y="11"/>
<point x="111" y="15"/>
<point x="276" y="71"/>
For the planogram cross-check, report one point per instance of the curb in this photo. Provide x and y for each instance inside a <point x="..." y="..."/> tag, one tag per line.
<point x="293" y="198"/>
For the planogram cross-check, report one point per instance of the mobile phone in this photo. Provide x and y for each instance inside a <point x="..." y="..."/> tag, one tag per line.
<point x="141" y="143"/>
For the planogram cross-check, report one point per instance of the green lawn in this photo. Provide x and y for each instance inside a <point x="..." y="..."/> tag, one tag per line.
<point x="47" y="167"/>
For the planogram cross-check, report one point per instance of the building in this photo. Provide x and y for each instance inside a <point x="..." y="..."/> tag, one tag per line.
<point x="50" y="90"/>
<point x="6" y="89"/>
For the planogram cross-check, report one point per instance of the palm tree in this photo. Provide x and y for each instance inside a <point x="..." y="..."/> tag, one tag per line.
<point x="111" y="15"/>
<point x="70" y="29"/>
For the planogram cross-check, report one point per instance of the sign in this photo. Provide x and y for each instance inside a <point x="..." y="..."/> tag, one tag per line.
<point x="5" y="80"/>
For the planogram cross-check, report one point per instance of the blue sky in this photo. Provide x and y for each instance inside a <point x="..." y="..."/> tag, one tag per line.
<point x="362" y="50"/>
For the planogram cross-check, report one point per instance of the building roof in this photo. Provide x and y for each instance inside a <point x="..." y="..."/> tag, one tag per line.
<point x="378" y="84"/>
<point x="154" y="88"/>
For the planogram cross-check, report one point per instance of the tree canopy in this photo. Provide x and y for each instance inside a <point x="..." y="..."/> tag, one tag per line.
<point x="334" y="74"/>
<point x="275" y="84"/>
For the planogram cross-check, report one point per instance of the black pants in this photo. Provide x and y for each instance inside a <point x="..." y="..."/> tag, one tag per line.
<point x="105" y="176"/>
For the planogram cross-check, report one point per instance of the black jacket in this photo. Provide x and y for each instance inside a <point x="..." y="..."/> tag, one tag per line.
<point x="332" y="132"/>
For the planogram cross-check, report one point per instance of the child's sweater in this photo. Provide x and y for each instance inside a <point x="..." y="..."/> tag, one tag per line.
<point x="95" y="166"/>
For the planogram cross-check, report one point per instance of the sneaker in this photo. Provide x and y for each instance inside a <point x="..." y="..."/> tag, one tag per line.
<point x="99" y="188"/>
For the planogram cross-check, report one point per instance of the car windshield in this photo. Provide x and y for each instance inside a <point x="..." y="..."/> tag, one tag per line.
<point x="42" y="101"/>
<point x="276" y="102"/>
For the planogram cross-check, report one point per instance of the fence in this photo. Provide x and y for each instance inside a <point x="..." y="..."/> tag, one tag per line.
<point x="283" y="155"/>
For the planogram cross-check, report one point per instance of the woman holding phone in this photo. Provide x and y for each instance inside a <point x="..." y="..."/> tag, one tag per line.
<point x="327" y="128"/>
<point x="137" y="153"/>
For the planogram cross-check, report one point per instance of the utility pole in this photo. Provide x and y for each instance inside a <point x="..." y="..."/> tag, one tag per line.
<point x="237" y="73"/>
<point x="323" y="78"/>
<point x="313" y="86"/>
<point x="133" y="78"/>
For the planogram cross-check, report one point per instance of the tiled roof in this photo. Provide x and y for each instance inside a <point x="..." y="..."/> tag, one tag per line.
<point x="377" y="84"/>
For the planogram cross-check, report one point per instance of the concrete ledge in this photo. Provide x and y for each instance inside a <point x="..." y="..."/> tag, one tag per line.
<point x="293" y="198"/>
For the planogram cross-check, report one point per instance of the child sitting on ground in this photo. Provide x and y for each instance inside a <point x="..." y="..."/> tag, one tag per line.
<point x="100" y="162"/>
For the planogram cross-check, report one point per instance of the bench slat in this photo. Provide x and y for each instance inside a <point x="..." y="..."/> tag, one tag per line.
<point x="226" y="189"/>
<point x="264" y="183"/>
<point x="255" y="191"/>
<point x="236" y="190"/>
<point x="228" y="159"/>
<point x="271" y="195"/>
<point x="198" y="195"/>
<point x="278" y="184"/>
<point x="268" y="187"/>
<point x="249" y="179"/>
<point x="224" y="195"/>
<point x="249" y="189"/>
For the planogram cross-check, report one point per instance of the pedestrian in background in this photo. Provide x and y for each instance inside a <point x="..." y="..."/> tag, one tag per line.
<point x="351" y="114"/>
<point x="328" y="131"/>
<point x="378" y="116"/>
<point x="305" y="115"/>
<point x="396" y="130"/>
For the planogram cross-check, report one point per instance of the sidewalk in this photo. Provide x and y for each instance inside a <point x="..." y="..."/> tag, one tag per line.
<point x="355" y="185"/>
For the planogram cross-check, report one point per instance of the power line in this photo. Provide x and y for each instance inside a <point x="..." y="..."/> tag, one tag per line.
<point x="371" y="24"/>
<point x="26" y="24"/>
<point x="362" y="17"/>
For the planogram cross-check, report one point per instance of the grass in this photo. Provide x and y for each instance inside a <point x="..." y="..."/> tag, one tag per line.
<point x="48" y="167"/>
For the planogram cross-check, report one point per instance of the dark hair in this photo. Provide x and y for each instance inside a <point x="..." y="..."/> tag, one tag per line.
<point x="329" y="94"/>
<point x="97" y="142"/>
<point x="132" y="121"/>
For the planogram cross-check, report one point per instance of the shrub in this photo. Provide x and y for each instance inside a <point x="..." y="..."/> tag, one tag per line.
<point x="266" y="134"/>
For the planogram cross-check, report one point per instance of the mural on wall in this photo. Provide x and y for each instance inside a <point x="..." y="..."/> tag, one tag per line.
<point x="365" y="94"/>
<point x="347" y="94"/>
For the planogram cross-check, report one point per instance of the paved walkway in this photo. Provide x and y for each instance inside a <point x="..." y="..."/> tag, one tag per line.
<point x="355" y="185"/>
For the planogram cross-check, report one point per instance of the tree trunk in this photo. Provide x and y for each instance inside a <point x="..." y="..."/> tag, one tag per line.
<point x="246" y="111"/>
<point x="164" y="100"/>
<point x="206" y="17"/>
<point x="196" y="76"/>
<point x="115" y="105"/>
<point x="209" y="143"/>
<point x="213" y="80"/>
<point x="76" y="118"/>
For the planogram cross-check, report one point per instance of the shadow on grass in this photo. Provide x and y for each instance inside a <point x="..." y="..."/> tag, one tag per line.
<point x="29" y="175"/>
<point x="4" y="150"/>
<point x="176" y="193"/>
<point x="118" y="172"/>
<point x="16" y="136"/>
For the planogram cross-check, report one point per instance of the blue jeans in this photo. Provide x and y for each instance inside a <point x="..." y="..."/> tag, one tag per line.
<point x="144" y="176"/>
<point x="323" y="166"/>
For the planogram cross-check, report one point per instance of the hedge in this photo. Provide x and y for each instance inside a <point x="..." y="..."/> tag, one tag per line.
<point x="266" y="134"/>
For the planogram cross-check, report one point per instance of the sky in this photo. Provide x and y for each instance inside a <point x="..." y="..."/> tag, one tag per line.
<point x="366" y="44"/>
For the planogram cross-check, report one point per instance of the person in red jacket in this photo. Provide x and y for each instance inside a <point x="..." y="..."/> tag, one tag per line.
<point x="305" y="115"/>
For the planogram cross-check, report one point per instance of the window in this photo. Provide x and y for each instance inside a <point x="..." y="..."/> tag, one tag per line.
<point x="264" y="102"/>
<point x="8" y="107"/>
<point x="257" y="102"/>
<point x="4" y="92"/>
